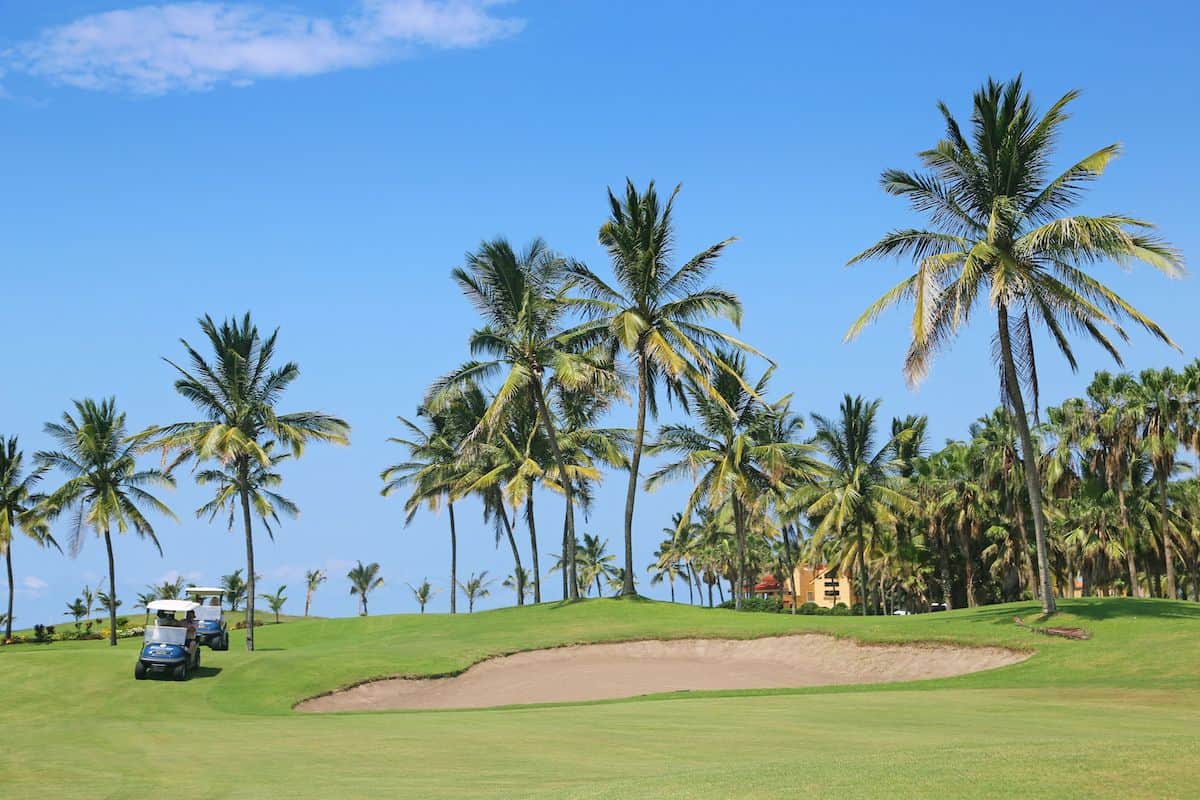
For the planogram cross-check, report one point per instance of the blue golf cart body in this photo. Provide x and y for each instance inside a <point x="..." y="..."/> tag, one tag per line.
<point x="167" y="647"/>
<point x="211" y="630"/>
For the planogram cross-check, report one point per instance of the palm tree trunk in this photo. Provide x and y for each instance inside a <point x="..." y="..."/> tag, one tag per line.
<point x="1168" y="546"/>
<point x="739" y="525"/>
<point x="631" y="493"/>
<point x="518" y="572"/>
<point x="537" y="580"/>
<point x="687" y="576"/>
<point x="243" y="474"/>
<point x="453" y="560"/>
<point x="112" y="591"/>
<point x="565" y="545"/>
<point x="944" y="559"/>
<point x="862" y="570"/>
<point x="1129" y="536"/>
<point x="565" y="481"/>
<point x="720" y="593"/>
<point x="307" y="600"/>
<point x="8" y="621"/>
<point x="1033" y="472"/>
<point x="671" y="581"/>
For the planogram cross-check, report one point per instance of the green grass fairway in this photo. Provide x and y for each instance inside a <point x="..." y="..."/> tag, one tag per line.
<point x="1116" y="716"/>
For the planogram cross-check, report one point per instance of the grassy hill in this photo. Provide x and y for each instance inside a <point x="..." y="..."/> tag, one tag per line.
<point x="1113" y="716"/>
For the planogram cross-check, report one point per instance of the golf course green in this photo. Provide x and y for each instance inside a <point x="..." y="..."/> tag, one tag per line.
<point x="1117" y="715"/>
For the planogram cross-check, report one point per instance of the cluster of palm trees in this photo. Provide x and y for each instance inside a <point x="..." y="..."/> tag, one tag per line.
<point x="558" y="344"/>
<point x="954" y="526"/>
<point x="234" y="447"/>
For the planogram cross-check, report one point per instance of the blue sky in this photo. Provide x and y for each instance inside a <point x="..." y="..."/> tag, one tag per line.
<point x="325" y="165"/>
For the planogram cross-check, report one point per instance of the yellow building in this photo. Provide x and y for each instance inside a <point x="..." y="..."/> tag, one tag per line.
<point x="821" y="585"/>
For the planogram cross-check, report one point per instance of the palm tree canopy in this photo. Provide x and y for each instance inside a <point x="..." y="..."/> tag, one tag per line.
<point x="20" y="506"/>
<point x="364" y="578"/>
<point x="236" y="391"/>
<point x="104" y="484"/>
<point x="998" y="231"/>
<point x="657" y="312"/>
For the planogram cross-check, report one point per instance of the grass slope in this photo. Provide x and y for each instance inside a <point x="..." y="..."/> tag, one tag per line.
<point x="1115" y="716"/>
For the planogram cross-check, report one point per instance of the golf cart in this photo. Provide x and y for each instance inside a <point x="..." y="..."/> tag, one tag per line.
<point x="169" y="645"/>
<point x="210" y="616"/>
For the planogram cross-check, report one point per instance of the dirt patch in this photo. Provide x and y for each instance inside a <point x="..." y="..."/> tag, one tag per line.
<point x="628" y="669"/>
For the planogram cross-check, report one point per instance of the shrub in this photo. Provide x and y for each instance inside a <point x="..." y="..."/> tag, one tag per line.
<point x="812" y="609"/>
<point x="840" y="610"/>
<point x="241" y="625"/>
<point x="772" y="605"/>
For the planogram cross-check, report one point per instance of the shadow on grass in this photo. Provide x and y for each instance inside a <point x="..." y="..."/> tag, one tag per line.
<point x="1096" y="609"/>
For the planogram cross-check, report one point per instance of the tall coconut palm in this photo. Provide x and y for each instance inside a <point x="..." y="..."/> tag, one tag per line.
<point x="655" y="312"/>
<point x="734" y="455"/>
<point x="312" y="580"/>
<point x="237" y="390"/>
<point x="436" y="464"/>
<point x="998" y="231"/>
<point x="861" y="489"/>
<point x="19" y="511"/>
<point x="104" y="488"/>
<point x="363" y="581"/>
<point x="522" y="298"/>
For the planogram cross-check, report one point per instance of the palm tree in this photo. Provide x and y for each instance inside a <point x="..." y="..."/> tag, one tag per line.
<point x="594" y="562"/>
<point x="169" y="590"/>
<point x="260" y="483"/>
<point x="1160" y="400"/>
<point x="475" y="588"/>
<point x="236" y="393"/>
<point x="519" y="583"/>
<point x="655" y="313"/>
<point x="734" y="455"/>
<point x="275" y="601"/>
<point x="363" y="581"/>
<point x="435" y="463"/>
<point x="423" y="593"/>
<point x="89" y="602"/>
<point x="144" y="599"/>
<point x="19" y="511"/>
<point x="522" y="300"/>
<point x="236" y="589"/>
<point x="997" y="233"/>
<point x="76" y="610"/>
<point x="104" y="486"/>
<point x="312" y="579"/>
<point x="861" y="490"/>
<point x="110" y="602"/>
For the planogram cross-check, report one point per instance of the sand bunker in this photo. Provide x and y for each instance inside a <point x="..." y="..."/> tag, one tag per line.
<point x="603" y="671"/>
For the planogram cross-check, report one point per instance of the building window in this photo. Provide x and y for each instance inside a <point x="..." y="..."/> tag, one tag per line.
<point x="811" y="597"/>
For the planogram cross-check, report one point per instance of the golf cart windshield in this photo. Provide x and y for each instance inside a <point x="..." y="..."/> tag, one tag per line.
<point x="208" y="613"/>
<point x="166" y="635"/>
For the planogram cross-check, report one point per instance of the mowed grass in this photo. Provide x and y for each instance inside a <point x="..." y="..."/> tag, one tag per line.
<point x="1115" y="716"/>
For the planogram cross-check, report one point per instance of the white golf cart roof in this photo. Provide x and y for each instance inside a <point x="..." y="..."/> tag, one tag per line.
<point x="172" y="605"/>
<point x="205" y="591"/>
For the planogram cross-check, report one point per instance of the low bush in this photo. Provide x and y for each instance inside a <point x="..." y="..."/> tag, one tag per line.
<point x="241" y="625"/>
<point x="840" y="610"/>
<point x="812" y="609"/>
<point x="772" y="605"/>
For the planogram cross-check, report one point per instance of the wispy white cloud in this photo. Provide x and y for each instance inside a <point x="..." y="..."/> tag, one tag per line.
<point x="194" y="46"/>
<point x="33" y="585"/>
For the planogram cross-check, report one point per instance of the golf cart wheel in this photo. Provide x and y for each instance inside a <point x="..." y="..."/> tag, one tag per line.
<point x="224" y="642"/>
<point x="180" y="672"/>
<point x="139" y="671"/>
<point x="196" y="660"/>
